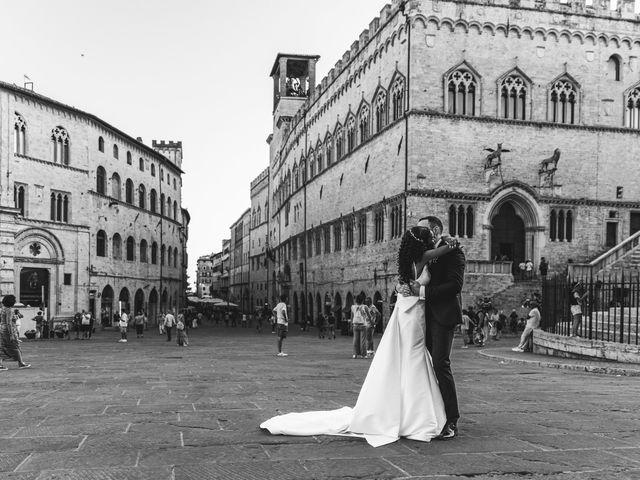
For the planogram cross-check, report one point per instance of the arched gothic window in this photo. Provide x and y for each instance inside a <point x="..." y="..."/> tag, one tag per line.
<point x="154" y="253"/>
<point x="328" y="146"/>
<point x="116" y="153"/>
<point x="312" y="166"/>
<point x="563" y="99"/>
<point x="513" y="97"/>
<point x="613" y="68"/>
<point x="175" y="210"/>
<point x="162" y="251"/>
<point x="60" y="145"/>
<point x="141" y="164"/>
<point x="162" y="204"/>
<point x="116" y="188"/>
<point x="116" y="247"/>
<point x="363" y="123"/>
<point x="169" y="254"/>
<point x="380" y="108"/>
<point x="351" y="134"/>
<point x="632" y="110"/>
<point x="101" y="181"/>
<point x="129" y="158"/>
<point x="153" y="170"/>
<point x="19" y="135"/>
<point x="462" y="90"/>
<point x="131" y="249"/>
<point x="101" y="144"/>
<point x="60" y="207"/>
<point x="101" y="243"/>
<point x="175" y="257"/>
<point x="339" y="143"/>
<point x="303" y="171"/>
<point x="396" y="221"/>
<point x="397" y="97"/>
<point x="19" y="195"/>
<point x="143" y="251"/>
<point x="128" y="197"/>
<point x="153" y="200"/>
<point x="296" y="180"/>
<point x="319" y="158"/>
<point x="169" y="207"/>
<point x="561" y="225"/>
<point x="142" y="196"/>
<point x="461" y="220"/>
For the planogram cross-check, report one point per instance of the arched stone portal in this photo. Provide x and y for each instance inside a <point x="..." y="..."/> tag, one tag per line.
<point x="513" y="220"/>
<point x="138" y="302"/>
<point x="152" y="314"/>
<point x="123" y="298"/>
<point x="106" y="306"/>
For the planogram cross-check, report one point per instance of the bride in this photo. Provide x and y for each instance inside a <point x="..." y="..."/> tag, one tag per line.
<point x="400" y="396"/>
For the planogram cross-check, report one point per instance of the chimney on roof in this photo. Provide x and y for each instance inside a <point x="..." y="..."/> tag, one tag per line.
<point x="139" y="139"/>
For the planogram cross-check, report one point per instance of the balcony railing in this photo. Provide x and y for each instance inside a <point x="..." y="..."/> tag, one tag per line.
<point x="488" y="266"/>
<point x="580" y="270"/>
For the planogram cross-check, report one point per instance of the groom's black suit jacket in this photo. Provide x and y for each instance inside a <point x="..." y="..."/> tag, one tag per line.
<point x="442" y="295"/>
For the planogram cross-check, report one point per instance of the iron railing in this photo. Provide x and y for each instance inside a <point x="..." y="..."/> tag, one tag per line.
<point x="610" y="310"/>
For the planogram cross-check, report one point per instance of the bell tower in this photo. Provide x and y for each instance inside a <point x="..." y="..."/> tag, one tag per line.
<point x="294" y="80"/>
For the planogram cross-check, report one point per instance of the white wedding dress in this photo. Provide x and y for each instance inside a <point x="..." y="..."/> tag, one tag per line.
<point x="400" y="396"/>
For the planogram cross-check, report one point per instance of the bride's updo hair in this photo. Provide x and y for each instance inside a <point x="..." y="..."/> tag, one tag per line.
<point x="415" y="242"/>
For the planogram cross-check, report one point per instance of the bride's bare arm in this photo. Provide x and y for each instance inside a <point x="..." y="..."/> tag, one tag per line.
<point x="437" y="252"/>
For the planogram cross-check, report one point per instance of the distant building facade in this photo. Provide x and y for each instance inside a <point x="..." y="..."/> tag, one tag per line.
<point x="204" y="275"/>
<point x="239" y="262"/>
<point x="258" y="235"/>
<point x="90" y="218"/>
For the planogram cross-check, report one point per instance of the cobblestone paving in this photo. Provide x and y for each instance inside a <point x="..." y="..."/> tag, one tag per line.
<point x="148" y="409"/>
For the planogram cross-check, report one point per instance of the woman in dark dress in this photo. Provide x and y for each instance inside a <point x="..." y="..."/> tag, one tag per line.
<point x="9" y="343"/>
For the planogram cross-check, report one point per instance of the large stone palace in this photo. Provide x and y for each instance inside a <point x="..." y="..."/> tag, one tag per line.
<point x="514" y="121"/>
<point x="90" y="218"/>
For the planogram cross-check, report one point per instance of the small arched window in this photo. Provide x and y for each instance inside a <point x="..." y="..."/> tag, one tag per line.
<point x="101" y="181"/>
<point x="141" y="164"/>
<point x="632" y="109"/>
<point x="129" y="191"/>
<point x="162" y="204"/>
<point x="351" y="134"/>
<point x="116" y="188"/>
<point x="339" y="142"/>
<point x="101" y="144"/>
<point x="153" y="200"/>
<point x="19" y="134"/>
<point x="143" y="251"/>
<point x="175" y="257"/>
<point x="131" y="249"/>
<point x="116" y="153"/>
<point x="613" y="68"/>
<point x="380" y="107"/>
<point x="328" y="147"/>
<point x="101" y="244"/>
<point x="175" y="210"/>
<point x="153" y="170"/>
<point x="116" y="247"/>
<point x="154" y="253"/>
<point x="162" y="251"/>
<point x="169" y="207"/>
<point x="129" y="158"/>
<point x="363" y="123"/>
<point x="19" y="198"/>
<point x="142" y="196"/>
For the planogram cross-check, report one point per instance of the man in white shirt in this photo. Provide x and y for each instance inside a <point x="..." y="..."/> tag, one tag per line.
<point x="169" y="323"/>
<point x="282" y="320"/>
<point x="532" y="322"/>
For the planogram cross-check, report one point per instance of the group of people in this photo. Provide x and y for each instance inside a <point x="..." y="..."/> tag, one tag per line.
<point x="364" y="319"/>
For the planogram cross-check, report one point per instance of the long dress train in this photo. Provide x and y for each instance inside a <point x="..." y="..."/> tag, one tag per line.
<point x="400" y="396"/>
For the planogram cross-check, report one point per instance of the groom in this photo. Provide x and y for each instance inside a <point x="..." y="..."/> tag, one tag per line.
<point x="443" y="312"/>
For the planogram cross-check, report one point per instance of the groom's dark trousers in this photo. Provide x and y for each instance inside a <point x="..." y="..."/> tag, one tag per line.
<point x="443" y="313"/>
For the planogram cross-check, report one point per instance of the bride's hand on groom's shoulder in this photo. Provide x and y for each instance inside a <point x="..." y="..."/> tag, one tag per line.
<point x="452" y="242"/>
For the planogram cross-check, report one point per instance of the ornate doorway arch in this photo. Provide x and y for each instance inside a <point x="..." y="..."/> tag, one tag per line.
<point x="513" y="219"/>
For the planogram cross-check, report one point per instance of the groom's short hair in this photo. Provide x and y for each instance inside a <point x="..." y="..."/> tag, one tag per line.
<point x="433" y="221"/>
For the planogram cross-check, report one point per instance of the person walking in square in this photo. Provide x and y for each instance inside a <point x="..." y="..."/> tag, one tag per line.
<point x="9" y="341"/>
<point x="169" y="323"/>
<point x="282" y="320"/>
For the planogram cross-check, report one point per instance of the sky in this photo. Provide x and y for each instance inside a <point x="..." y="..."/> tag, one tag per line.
<point x="193" y="70"/>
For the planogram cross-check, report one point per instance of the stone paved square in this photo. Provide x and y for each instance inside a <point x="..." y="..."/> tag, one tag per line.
<point x="148" y="409"/>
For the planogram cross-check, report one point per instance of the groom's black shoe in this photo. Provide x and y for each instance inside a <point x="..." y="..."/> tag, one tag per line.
<point x="450" y="430"/>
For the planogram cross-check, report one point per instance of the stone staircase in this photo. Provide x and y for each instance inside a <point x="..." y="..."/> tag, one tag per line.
<point x="513" y="296"/>
<point x="623" y="256"/>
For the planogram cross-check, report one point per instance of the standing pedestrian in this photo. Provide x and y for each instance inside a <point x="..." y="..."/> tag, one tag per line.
<point x="533" y="322"/>
<point x="9" y="341"/>
<point x="124" y="325"/>
<point x="529" y="269"/>
<point x="282" y="319"/>
<point x="321" y="322"/>
<point x="86" y="324"/>
<point x="371" y="325"/>
<point x="543" y="268"/>
<point x="169" y="323"/>
<point x="138" y="322"/>
<point x="577" y="299"/>
<point x="181" y="332"/>
<point x="331" y="319"/>
<point x="39" y="319"/>
<point x="360" y="317"/>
